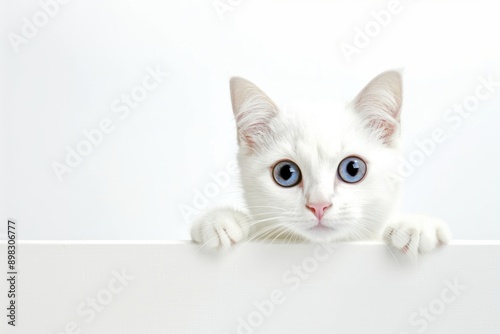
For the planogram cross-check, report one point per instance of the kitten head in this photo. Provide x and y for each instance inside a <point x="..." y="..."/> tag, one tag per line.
<point x="323" y="174"/>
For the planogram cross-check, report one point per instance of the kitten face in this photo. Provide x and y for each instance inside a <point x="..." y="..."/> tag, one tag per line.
<point x="325" y="173"/>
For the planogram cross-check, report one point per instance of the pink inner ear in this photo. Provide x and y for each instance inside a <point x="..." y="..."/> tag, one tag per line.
<point x="252" y="132"/>
<point x="387" y="129"/>
<point x="249" y="141"/>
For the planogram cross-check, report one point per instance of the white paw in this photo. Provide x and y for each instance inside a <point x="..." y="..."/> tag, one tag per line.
<point x="417" y="233"/>
<point x="220" y="228"/>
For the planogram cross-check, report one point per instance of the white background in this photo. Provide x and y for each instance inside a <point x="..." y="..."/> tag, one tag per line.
<point x="132" y="186"/>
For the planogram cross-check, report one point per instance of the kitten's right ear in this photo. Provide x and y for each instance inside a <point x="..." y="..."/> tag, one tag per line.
<point x="253" y="111"/>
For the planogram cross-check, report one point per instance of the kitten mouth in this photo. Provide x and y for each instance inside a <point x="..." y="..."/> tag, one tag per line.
<point x="320" y="233"/>
<point x="321" y="228"/>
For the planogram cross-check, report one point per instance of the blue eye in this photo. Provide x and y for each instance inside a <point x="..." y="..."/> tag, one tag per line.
<point x="352" y="169"/>
<point x="286" y="173"/>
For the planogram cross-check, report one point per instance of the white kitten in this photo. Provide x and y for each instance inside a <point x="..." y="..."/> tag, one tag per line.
<point x="321" y="176"/>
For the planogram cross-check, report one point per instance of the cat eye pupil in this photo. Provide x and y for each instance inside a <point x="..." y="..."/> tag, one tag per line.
<point x="286" y="172"/>
<point x="352" y="168"/>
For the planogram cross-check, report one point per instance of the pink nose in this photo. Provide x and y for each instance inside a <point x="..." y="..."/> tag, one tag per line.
<point x="318" y="208"/>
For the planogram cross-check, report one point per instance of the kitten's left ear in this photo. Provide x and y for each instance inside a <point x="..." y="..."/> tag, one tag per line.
<point x="379" y="105"/>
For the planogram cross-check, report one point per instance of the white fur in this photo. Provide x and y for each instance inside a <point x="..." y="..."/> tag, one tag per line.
<point x="317" y="139"/>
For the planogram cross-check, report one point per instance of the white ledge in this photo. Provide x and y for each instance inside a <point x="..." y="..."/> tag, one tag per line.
<point x="171" y="287"/>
